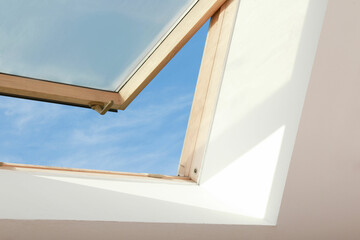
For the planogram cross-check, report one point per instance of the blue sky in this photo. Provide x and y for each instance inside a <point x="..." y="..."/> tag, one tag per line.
<point x="146" y="137"/>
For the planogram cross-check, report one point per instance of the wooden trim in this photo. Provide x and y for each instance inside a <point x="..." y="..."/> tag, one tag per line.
<point x="36" y="167"/>
<point x="56" y="92"/>
<point x="185" y="29"/>
<point x="36" y="89"/>
<point x="200" y="94"/>
<point x="207" y="90"/>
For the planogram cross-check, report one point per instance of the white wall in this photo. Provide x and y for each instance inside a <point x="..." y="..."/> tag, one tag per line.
<point x="321" y="196"/>
<point x="51" y="195"/>
<point x="259" y="107"/>
<point x="321" y="199"/>
<point x="264" y="56"/>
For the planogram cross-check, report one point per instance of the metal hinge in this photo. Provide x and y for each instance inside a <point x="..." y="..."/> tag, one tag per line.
<point x="101" y="107"/>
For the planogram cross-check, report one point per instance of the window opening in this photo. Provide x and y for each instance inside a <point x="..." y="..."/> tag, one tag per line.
<point x="148" y="137"/>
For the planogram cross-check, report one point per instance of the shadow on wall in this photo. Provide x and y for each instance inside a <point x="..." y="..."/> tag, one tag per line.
<point x="260" y="104"/>
<point x="34" y="195"/>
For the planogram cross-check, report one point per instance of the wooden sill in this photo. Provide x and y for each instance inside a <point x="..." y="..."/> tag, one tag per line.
<point x="13" y="166"/>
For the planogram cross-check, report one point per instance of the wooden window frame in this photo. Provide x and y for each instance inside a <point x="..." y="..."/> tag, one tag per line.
<point x="36" y="89"/>
<point x="207" y="90"/>
<point x="223" y="13"/>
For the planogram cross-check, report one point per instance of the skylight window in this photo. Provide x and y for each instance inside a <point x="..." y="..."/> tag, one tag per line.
<point x="92" y="54"/>
<point x="146" y="138"/>
<point x="96" y="54"/>
<point x="95" y="44"/>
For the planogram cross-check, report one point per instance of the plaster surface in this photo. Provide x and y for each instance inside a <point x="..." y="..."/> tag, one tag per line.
<point x="321" y="194"/>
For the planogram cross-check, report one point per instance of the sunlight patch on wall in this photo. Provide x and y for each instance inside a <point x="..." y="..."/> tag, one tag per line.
<point x="251" y="177"/>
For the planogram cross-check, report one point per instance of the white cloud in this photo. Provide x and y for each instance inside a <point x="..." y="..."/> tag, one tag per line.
<point x="24" y="114"/>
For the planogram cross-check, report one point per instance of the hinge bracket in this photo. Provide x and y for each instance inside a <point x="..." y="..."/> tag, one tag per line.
<point x="101" y="107"/>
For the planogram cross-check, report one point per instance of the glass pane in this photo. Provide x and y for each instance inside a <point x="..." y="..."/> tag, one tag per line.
<point x="90" y="43"/>
<point x="148" y="138"/>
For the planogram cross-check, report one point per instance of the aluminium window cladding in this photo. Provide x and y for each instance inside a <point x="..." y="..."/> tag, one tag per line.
<point x="206" y="90"/>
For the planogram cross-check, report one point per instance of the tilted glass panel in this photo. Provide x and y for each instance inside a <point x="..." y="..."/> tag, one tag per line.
<point x="90" y="43"/>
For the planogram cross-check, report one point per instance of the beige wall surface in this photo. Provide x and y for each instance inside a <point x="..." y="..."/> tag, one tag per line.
<point x="321" y="199"/>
